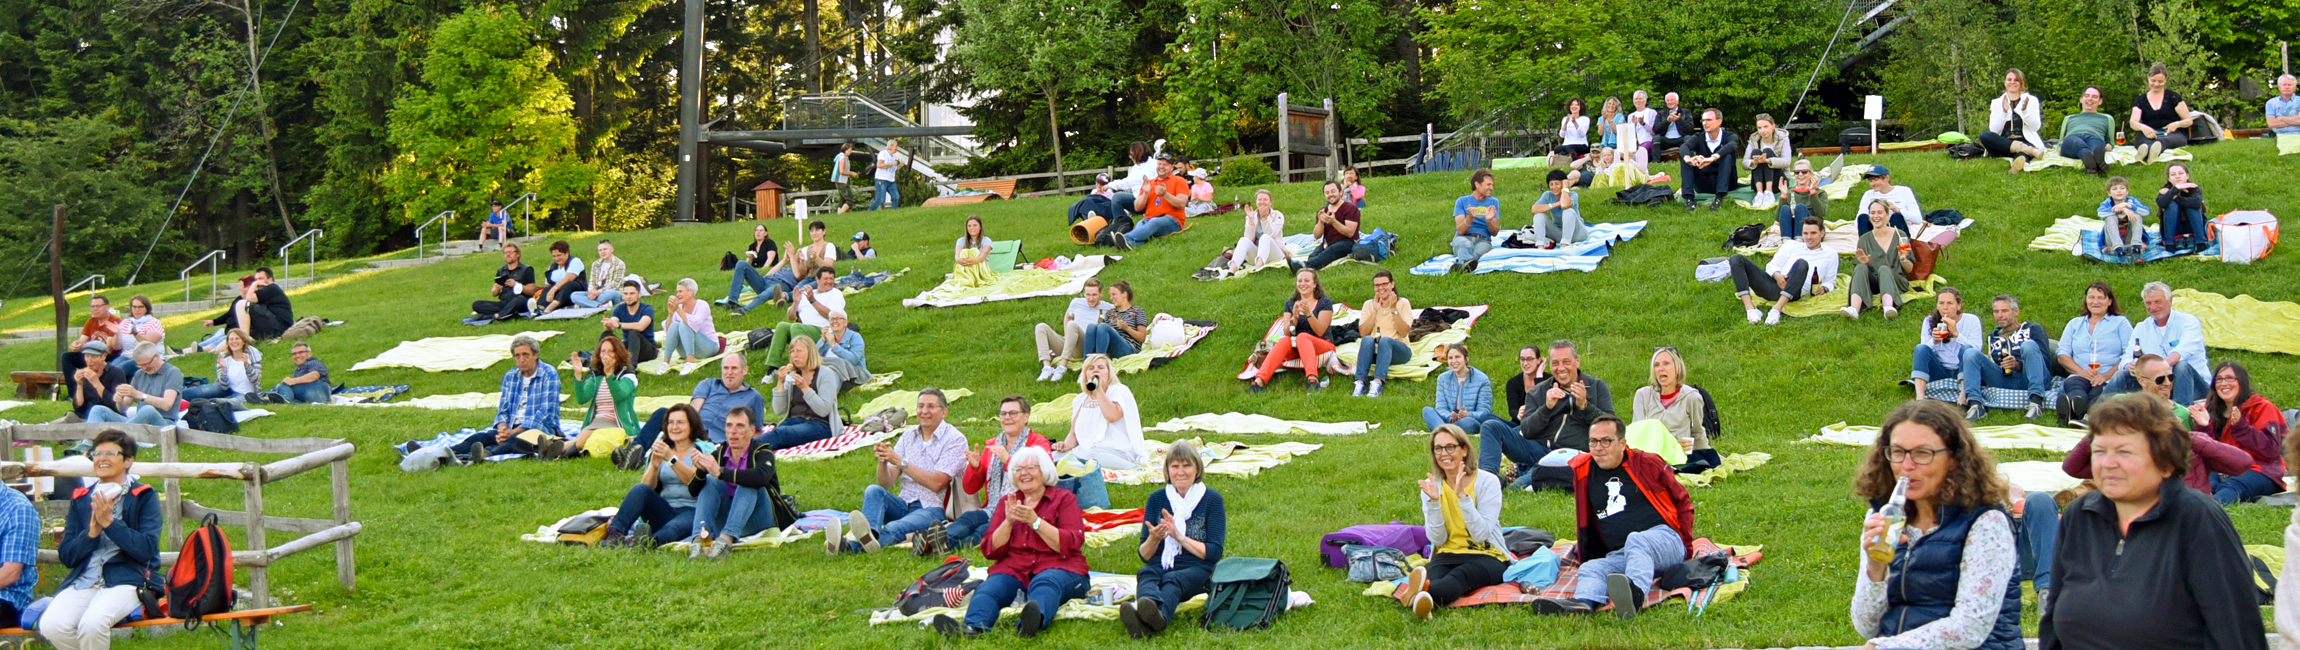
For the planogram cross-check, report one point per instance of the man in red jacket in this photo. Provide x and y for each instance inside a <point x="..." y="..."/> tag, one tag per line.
<point x="1634" y="519"/>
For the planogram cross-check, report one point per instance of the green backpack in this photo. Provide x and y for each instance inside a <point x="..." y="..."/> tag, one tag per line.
<point x="1248" y="593"/>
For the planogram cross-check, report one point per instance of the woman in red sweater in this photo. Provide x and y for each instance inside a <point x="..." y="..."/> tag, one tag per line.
<point x="1037" y="540"/>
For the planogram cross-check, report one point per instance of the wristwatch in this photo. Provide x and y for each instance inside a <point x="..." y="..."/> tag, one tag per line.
<point x="1035" y="523"/>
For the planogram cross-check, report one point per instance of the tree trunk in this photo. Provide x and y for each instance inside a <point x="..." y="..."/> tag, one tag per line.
<point x="263" y="114"/>
<point x="814" y="71"/>
<point x="1054" y="128"/>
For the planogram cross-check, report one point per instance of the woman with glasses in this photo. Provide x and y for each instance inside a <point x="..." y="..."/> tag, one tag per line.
<point x="2092" y="347"/>
<point x="112" y="542"/>
<point x="2236" y="416"/>
<point x="1461" y="512"/>
<point x="1805" y="198"/>
<point x="1945" y="578"/>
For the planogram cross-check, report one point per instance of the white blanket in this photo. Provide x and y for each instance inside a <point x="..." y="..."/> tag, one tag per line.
<point x="2016" y="436"/>
<point x="1241" y="423"/>
<point x="572" y="313"/>
<point x="447" y="353"/>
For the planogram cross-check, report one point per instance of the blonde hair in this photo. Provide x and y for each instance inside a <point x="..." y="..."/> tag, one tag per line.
<point x="1460" y="437"/>
<point x="1089" y="363"/>
<point x="1683" y="374"/>
<point x="814" y="355"/>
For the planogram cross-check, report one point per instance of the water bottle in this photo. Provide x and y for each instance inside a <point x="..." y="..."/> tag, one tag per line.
<point x="1896" y="514"/>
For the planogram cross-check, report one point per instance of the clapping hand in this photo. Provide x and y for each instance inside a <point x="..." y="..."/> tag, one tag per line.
<point x="659" y="452"/>
<point x="1580" y="392"/>
<point x="1555" y="393"/>
<point x="1430" y="487"/>
<point x="1021" y="513"/>
<point x="99" y="512"/>
<point x="1166" y="521"/>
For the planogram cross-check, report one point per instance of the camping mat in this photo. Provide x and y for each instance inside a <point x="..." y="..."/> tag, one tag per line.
<point x="2036" y="476"/>
<point x="1232" y="459"/>
<point x="1582" y="257"/>
<point x="733" y="343"/>
<point x="2010" y="436"/>
<point x="367" y="394"/>
<point x="1235" y="423"/>
<point x="2116" y="156"/>
<point x="1104" y="592"/>
<point x="572" y="313"/>
<point x="1420" y="365"/>
<point x="1014" y="285"/>
<point x="446" y="353"/>
<point x="907" y="400"/>
<point x="1734" y="464"/>
<point x="2243" y="322"/>
<point x="854" y="438"/>
<point x="1156" y="355"/>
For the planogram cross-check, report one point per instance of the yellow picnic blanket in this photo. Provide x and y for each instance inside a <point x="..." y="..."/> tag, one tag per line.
<point x="2012" y="436"/>
<point x="907" y="400"/>
<point x="1848" y="177"/>
<point x="879" y="381"/>
<point x="1053" y="414"/>
<point x="1235" y="423"/>
<point x="485" y="401"/>
<point x="1830" y="303"/>
<point x="1652" y="437"/>
<point x="2287" y="144"/>
<point x="2243" y="322"/>
<point x="448" y="353"/>
<point x="1843" y="237"/>
<point x="1621" y="175"/>
<point x="1011" y="285"/>
<point x="1140" y="359"/>
<point x="1424" y="361"/>
<point x="1233" y="459"/>
<point x="1733" y="464"/>
<point x="2116" y="156"/>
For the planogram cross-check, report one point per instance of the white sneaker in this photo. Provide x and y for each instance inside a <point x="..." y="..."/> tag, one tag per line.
<point x="1773" y="317"/>
<point x="1374" y="389"/>
<point x="1851" y="313"/>
<point x="1358" y="388"/>
<point x="1891" y="311"/>
<point x="1057" y="376"/>
<point x="1045" y="372"/>
<point x="1756" y="316"/>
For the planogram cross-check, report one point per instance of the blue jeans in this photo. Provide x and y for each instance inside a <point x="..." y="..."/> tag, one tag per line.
<point x="1499" y="439"/>
<point x="891" y="519"/>
<point x="2074" y="147"/>
<point x="2039" y="527"/>
<point x="144" y="414"/>
<point x="670" y="523"/>
<point x="792" y="432"/>
<point x="1091" y="204"/>
<point x="607" y="298"/>
<point x="1328" y="254"/>
<point x="1050" y="588"/>
<point x="1792" y="218"/>
<point x="745" y="513"/>
<point x="213" y="390"/>
<point x="1104" y="339"/>
<point x="1469" y="248"/>
<point x="968" y="528"/>
<point x="747" y="276"/>
<point x="2181" y="221"/>
<point x="317" y="392"/>
<point x="2033" y="376"/>
<point x="212" y="340"/>
<point x="1170" y="587"/>
<point x="888" y="196"/>
<point x="1376" y="353"/>
<point x="1925" y="366"/>
<point x="678" y="340"/>
<point x="1638" y="557"/>
<point x="1899" y="223"/>
<point x="2243" y="487"/>
<point x="1158" y="226"/>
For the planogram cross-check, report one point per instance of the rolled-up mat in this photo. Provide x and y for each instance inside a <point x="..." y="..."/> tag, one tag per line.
<point x="1083" y="231"/>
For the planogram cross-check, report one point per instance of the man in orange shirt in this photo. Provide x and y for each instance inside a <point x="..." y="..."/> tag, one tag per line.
<point x="1160" y="202"/>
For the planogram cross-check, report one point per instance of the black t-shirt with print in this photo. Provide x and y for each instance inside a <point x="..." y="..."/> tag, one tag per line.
<point x="1631" y="514"/>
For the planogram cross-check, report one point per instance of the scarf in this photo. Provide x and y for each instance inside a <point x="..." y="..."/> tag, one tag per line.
<point x="1450" y="504"/>
<point x="1183" y="507"/>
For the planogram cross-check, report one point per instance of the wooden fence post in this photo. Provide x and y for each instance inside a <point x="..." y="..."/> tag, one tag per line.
<point x="339" y="482"/>
<point x="174" y="491"/>
<point x="259" y="577"/>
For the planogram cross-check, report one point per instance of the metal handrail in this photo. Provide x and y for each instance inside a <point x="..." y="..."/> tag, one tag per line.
<point x="313" y="260"/>
<point x="526" y="203"/>
<point x="186" y="274"/>
<point x="449" y="215"/>
<point x="97" y="278"/>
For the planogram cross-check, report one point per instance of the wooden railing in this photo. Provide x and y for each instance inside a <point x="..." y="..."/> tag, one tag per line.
<point x="311" y="454"/>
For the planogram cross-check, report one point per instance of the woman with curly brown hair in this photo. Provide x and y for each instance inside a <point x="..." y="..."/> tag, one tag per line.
<point x="2144" y="543"/>
<point x="1949" y="580"/>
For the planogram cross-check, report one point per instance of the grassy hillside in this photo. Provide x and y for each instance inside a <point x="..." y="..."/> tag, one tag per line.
<point x="440" y="565"/>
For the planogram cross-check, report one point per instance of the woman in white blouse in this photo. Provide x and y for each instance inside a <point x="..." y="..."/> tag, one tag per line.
<point x="1572" y="134"/>
<point x="1105" y="423"/>
<point x="1944" y="579"/>
<point x="2015" y="127"/>
<point x="1265" y="238"/>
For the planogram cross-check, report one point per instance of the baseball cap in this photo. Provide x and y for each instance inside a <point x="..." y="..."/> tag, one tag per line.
<point x="1875" y="171"/>
<point x="861" y="236"/>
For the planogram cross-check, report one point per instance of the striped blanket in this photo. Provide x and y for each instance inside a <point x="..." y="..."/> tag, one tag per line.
<point x="1582" y="257"/>
<point x="854" y="438"/>
<point x="1569" y="574"/>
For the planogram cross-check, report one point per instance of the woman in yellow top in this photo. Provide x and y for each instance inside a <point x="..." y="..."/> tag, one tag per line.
<point x="973" y="251"/>
<point x="1461" y="512"/>
<point x="1382" y="333"/>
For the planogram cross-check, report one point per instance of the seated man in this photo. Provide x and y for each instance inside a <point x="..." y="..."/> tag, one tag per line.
<point x="527" y="414"/>
<point x="499" y="221"/>
<point x="986" y="473"/>
<point x="1567" y="403"/>
<point x="711" y="399"/>
<point x="2019" y="350"/>
<point x="151" y="395"/>
<point x="1557" y="214"/>
<point x="2086" y="135"/>
<point x="93" y="383"/>
<point x="604" y="276"/>
<point x="1903" y="199"/>
<point x="810" y="312"/>
<point x="1336" y="230"/>
<point x="513" y="282"/>
<point x="307" y="384"/>
<point x="2174" y="335"/>
<point x="1633" y="519"/>
<point x="262" y="309"/>
<point x="1161" y="203"/>
<point x="1067" y="345"/>
<point x="1672" y="126"/>
<point x="1800" y="269"/>
<point x="102" y="326"/>
<point x="860" y="249"/>
<point x="842" y="352"/>
<point x="19" y="554"/>
<point x="634" y="322"/>
<point x="1708" y="157"/>
<point x="1476" y="218"/>
<point x="921" y="464"/>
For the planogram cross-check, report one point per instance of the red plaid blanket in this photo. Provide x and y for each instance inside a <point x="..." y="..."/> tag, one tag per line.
<point x="1568" y="574"/>
<point x="832" y="445"/>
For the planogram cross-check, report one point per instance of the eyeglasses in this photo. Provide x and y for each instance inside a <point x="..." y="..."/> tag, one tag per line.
<point x="1601" y="442"/>
<point x="1009" y="414"/>
<point x="105" y="453"/>
<point x="1922" y="456"/>
<point x="2229" y="379"/>
<point x="1447" y="448"/>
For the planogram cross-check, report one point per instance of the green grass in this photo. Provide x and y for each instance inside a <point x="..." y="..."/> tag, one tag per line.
<point x="440" y="565"/>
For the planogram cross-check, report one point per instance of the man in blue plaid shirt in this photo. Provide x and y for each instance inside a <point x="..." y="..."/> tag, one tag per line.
<point x="527" y="414"/>
<point x="19" y="548"/>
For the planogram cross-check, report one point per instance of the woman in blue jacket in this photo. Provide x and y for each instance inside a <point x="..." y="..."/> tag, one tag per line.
<point x="112" y="542"/>
<point x="1183" y="527"/>
<point x="1464" y="396"/>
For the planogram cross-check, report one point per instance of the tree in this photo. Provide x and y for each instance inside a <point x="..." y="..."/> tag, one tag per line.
<point x="1047" y="47"/>
<point x="1231" y="60"/>
<point x="489" y="121"/>
<point x="101" y="175"/>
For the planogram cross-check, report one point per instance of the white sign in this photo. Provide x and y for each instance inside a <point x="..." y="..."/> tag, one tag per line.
<point x="1874" y="109"/>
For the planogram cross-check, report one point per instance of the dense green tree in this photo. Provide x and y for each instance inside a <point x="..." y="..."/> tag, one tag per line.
<point x="1230" y="60"/>
<point x="99" y="173"/>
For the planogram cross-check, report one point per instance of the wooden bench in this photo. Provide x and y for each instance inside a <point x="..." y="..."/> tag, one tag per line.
<point x="240" y="635"/>
<point x="1000" y="189"/>
<point x="36" y="384"/>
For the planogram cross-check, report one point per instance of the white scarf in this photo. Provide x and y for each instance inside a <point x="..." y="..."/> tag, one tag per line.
<point x="1182" y="505"/>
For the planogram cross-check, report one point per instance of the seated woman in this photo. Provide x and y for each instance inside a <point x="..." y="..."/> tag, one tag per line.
<point x="1944" y="579"/>
<point x="1682" y="411"/>
<point x="1383" y="330"/>
<point x="1036" y="548"/>
<point x="973" y="251"/>
<point x="1882" y="261"/>
<point x="1805" y="197"/>
<point x="239" y="371"/>
<point x="1464" y="396"/>
<point x="1303" y="322"/>
<point x="1949" y="342"/>
<point x="1183" y="529"/>
<point x="687" y="329"/>
<point x="736" y="494"/>
<point x="1201" y="192"/>
<point x="807" y="396"/>
<point x="2092" y="347"/>
<point x="142" y="327"/>
<point x="2016" y="130"/>
<point x="1352" y="189"/>
<point x="1461" y="513"/>
<point x="1800" y="269"/>
<point x="2236" y="416"/>
<point x="1265" y="240"/>
<point x="2181" y="204"/>
<point x="607" y="383"/>
<point x="842" y="352"/>
<point x="1609" y="119"/>
<point x="986" y="474"/>
<point x="2160" y="118"/>
<point x="1122" y="328"/>
<point x="563" y="279"/>
<point x="1572" y="134"/>
<point x="2144" y="538"/>
<point x="759" y="268"/>
<point x="112" y="542"/>
<point x="1768" y="156"/>
<point x="1557" y="214"/>
<point x="1105" y="422"/>
<point x="634" y="322"/>
<point x="662" y="498"/>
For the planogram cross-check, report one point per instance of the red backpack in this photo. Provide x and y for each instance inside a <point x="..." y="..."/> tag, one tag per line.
<point x="201" y="581"/>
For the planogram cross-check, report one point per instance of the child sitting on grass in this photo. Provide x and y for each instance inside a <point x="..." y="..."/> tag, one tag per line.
<point x="2119" y="209"/>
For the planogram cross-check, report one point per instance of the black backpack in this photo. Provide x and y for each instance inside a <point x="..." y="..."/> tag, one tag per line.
<point x="1115" y="231"/>
<point x="1745" y="235"/>
<point x="1962" y="150"/>
<point x="1708" y="412"/>
<point x="1248" y="593"/>
<point x="1854" y="137"/>
<point x="212" y="416"/>
<point x="942" y="586"/>
<point x="1645" y="195"/>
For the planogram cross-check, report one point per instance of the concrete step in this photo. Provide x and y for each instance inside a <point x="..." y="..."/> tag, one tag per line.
<point x="20" y="337"/>
<point x="167" y="309"/>
<point x="233" y="290"/>
<point x="468" y="247"/>
<point x="385" y="265"/>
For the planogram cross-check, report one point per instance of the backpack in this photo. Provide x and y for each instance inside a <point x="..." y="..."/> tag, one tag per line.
<point x="1114" y="234"/>
<point x="1247" y="593"/>
<point x="1854" y="137"/>
<point x="200" y="583"/>
<point x="1745" y="235"/>
<point x="1945" y="217"/>
<point x="942" y="586"/>
<point x="1376" y="563"/>
<point x="212" y="416"/>
<point x="1374" y="246"/>
<point x="1963" y="150"/>
<point x="1408" y="538"/>
<point x="1645" y="195"/>
<point x="1700" y="572"/>
<point x="1709" y="419"/>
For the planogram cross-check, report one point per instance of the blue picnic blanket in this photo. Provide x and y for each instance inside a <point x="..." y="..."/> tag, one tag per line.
<point x="1578" y="257"/>
<point x="452" y="438"/>
<point x="2154" y="252"/>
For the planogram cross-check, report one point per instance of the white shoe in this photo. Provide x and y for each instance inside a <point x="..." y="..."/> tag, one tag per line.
<point x="1891" y="311"/>
<point x="1773" y="317"/>
<point x="1057" y="376"/>
<point x="1046" y="373"/>
<point x="1756" y="316"/>
<point x="1374" y="389"/>
<point x="1358" y="388"/>
<point x="1851" y="313"/>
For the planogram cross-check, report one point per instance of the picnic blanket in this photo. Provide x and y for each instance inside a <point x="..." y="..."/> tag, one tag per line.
<point x="2115" y="156"/>
<point x="1578" y="257"/>
<point x="734" y="343"/>
<point x="2287" y="144"/>
<point x="367" y="394"/>
<point x="2243" y="322"/>
<point x="1106" y="527"/>
<point x="2006" y="436"/>
<point x="854" y="438"/>
<point x="572" y="313"/>
<point x="808" y="526"/>
<point x="1235" y="423"/>
<point x="1015" y="285"/>
<point x="478" y="401"/>
<point x="1104" y="592"/>
<point x="906" y="400"/>
<point x="1843" y="237"/>
<point x="1233" y="459"/>
<point x="878" y="381"/>
<point x="1419" y="366"/>
<point x="1831" y="303"/>
<point x="2036" y="475"/>
<point x="447" y="353"/>
<point x="9" y="404"/>
<point x="1569" y="575"/>
<point x="1733" y="464"/>
<point x="416" y="448"/>
<point x="1300" y="246"/>
<point x="1158" y="353"/>
<point x="2080" y="236"/>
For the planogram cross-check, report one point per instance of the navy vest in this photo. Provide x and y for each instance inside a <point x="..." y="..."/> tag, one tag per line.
<point x="1921" y="583"/>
